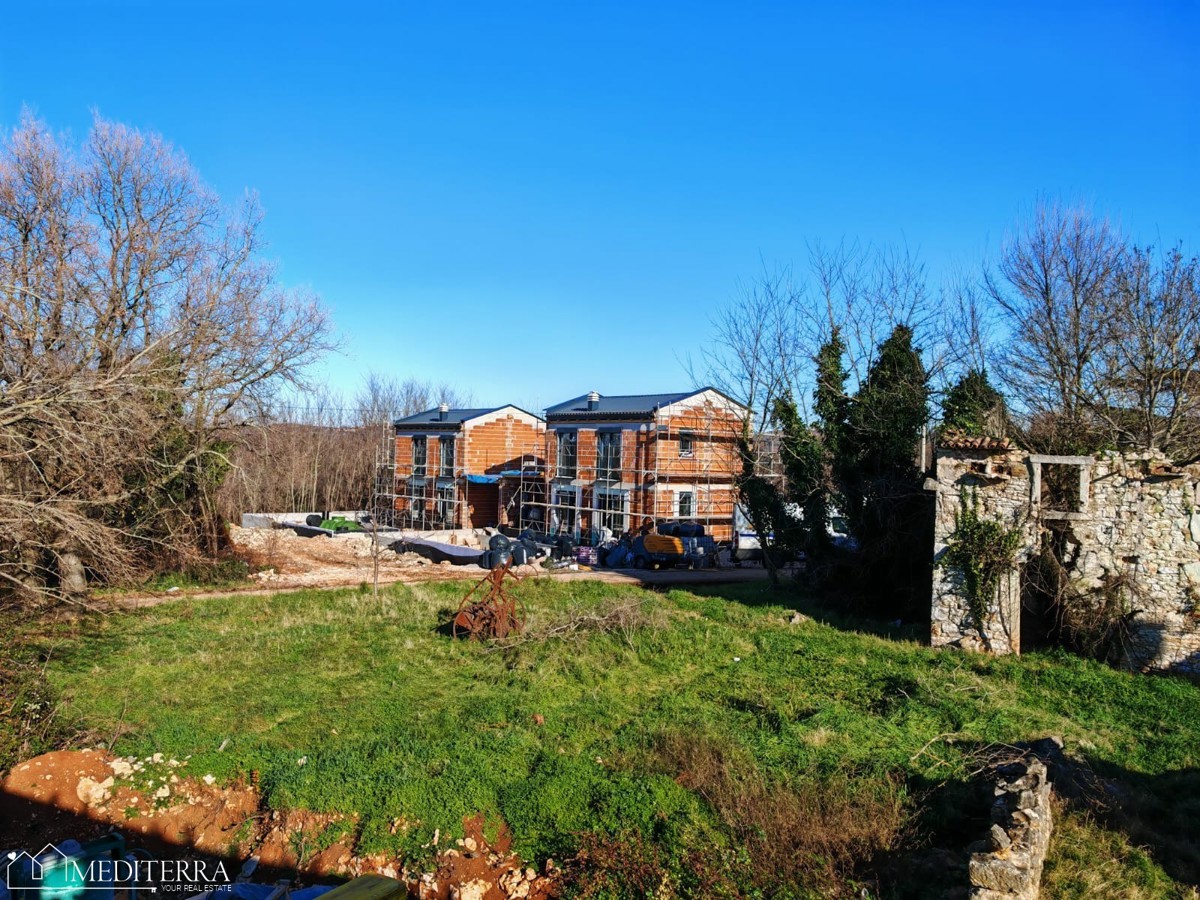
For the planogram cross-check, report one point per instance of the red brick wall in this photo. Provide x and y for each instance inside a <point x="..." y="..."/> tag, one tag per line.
<point x="489" y="447"/>
<point x="492" y="447"/>
<point x="651" y="458"/>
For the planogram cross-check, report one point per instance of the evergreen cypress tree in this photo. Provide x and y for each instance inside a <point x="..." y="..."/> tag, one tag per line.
<point x="973" y="406"/>
<point x="888" y="511"/>
<point x="890" y="410"/>
<point x="830" y="399"/>
<point x="804" y="464"/>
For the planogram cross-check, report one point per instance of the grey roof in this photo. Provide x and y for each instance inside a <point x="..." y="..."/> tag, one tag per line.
<point x="434" y="417"/>
<point x="633" y="405"/>
<point x="453" y="416"/>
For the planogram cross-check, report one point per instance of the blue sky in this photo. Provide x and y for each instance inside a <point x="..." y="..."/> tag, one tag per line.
<point x="532" y="200"/>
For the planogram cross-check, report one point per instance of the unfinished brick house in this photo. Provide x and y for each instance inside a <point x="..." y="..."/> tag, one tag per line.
<point x="611" y="461"/>
<point x="451" y="463"/>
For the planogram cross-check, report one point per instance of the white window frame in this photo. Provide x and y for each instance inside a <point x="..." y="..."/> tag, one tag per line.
<point x="421" y="470"/>
<point x="679" y="495"/>
<point x="1083" y="463"/>
<point x="444" y="508"/>
<point x="576" y="495"/>
<point x="608" y="437"/>
<point x="558" y="455"/>
<point x="691" y="438"/>
<point x="623" y="512"/>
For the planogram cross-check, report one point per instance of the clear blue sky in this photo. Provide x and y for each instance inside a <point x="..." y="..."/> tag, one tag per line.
<point x="532" y="200"/>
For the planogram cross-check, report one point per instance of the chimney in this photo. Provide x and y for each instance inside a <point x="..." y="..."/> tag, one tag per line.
<point x="443" y="410"/>
<point x="593" y="401"/>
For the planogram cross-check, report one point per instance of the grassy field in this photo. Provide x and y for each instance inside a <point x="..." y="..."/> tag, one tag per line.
<point x="703" y="737"/>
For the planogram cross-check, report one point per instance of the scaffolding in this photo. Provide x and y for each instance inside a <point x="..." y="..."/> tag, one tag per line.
<point x="665" y="469"/>
<point x="383" y="493"/>
<point x="429" y="487"/>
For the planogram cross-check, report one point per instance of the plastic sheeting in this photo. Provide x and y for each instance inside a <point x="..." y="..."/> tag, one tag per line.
<point x="437" y="551"/>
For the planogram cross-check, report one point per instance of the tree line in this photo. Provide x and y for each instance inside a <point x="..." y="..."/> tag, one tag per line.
<point x="330" y="453"/>
<point x="150" y="360"/>
<point x="1074" y="339"/>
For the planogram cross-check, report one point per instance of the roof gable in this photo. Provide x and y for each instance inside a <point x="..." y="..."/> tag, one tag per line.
<point x="626" y="405"/>
<point x="457" y="417"/>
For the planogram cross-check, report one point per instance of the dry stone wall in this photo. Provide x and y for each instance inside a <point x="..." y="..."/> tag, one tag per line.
<point x="1135" y="518"/>
<point x="1008" y="864"/>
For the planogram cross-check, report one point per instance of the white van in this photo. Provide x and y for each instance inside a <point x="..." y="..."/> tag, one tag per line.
<point x="748" y="548"/>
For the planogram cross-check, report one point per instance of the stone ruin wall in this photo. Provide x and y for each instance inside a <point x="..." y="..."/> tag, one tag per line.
<point x="1008" y="864"/>
<point x="1139" y="518"/>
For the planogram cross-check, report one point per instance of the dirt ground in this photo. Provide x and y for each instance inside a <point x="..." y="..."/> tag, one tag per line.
<point x="291" y="561"/>
<point x="162" y="806"/>
<point x="287" y="561"/>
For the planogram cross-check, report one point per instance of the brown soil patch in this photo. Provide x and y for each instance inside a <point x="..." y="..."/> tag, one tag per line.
<point x="291" y="561"/>
<point x="159" y="804"/>
<point x="58" y="795"/>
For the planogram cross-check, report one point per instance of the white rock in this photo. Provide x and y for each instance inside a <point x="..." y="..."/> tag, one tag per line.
<point x="93" y="792"/>
<point x="472" y="890"/>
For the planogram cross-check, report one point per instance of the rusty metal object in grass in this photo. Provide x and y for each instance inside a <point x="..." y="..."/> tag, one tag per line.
<point x="488" y="610"/>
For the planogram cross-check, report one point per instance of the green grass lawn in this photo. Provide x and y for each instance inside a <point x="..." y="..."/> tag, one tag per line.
<point x="695" y="739"/>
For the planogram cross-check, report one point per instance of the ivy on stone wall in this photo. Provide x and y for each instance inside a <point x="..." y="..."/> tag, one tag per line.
<point x="981" y="551"/>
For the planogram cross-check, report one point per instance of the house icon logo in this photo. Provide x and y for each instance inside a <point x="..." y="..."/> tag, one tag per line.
<point x="24" y="868"/>
<point x="15" y="863"/>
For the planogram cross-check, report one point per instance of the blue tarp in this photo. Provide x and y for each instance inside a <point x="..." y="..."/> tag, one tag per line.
<point x="483" y="479"/>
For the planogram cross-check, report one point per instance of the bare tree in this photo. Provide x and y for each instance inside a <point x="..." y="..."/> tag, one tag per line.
<point x="753" y="357"/>
<point x="865" y="292"/>
<point x="767" y="337"/>
<point x="971" y="324"/>
<point x="383" y="398"/>
<point x="139" y="325"/>
<point x="326" y="454"/>
<point x="1054" y="287"/>
<point x="1101" y="338"/>
<point x="379" y="400"/>
<point x="1146" y="389"/>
